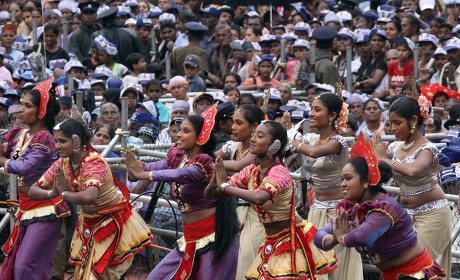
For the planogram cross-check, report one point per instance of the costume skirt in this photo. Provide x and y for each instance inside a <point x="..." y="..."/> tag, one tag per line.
<point x="274" y="258"/>
<point x="103" y="244"/>
<point x="251" y="237"/>
<point x="193" y="256"/>
<point x="350" y="264"/>
<point x="434" y="230"/>
<point x="422" y="267"/>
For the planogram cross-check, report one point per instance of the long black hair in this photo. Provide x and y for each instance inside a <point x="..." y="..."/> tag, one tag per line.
<point x="197" y="122"/>
<point x="332" y="102"/>
<point x="361" y="167"/>
<point x="226" y="218"/>
<point x="70" y="127"/>
<point x="406" y="107"/>
<point x="52" y="108"/>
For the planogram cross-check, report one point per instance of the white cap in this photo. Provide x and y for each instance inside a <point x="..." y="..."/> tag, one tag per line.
<point x="452" y="43"/>
<point x="439" y="50"/>
<point x="426" y="4"/>
<point x="346" y="32"/>
<point x="73" y="64"/>
<point x="331" y="16"/>
<point x="344" y="16"/>
<point x="167" y="16"/>
<point x="301" y="43"/>
<point x="274" y="94"/>
<point x="130" y="21"/>
<point x="425" y="37"/>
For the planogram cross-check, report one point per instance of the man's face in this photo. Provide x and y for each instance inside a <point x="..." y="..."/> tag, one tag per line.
<point x="195" y="5"/>
<point x="208" y="20"/>
<point x="439" y="61"/>
<point x="223" y="37"/>
<point x="454" y="56"/>
<point x="409" y="4"/>
<point x="88" y="17"/>
<point x="154" y="92"/>
<point x="406" y="27"/>
<point x="144" y="32"/>
<point x="7" y="38"/>
<point x="285" y="94"/>
<point x="254" y="22"/>
<point x="168" y="33"/>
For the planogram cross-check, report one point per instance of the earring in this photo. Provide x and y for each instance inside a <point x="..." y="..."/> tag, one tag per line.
<point x="274" y="148"/>
<point x="330" y="121"/>
<point x="76" y="150"/>
<point x="412" y="131"/>
<point x="366" y="186"/>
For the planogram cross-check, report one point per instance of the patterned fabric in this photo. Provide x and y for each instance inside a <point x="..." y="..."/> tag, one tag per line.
<point x="188" y="178"/>
<point x="421" y="181"/>
<point x="277" y="182"/>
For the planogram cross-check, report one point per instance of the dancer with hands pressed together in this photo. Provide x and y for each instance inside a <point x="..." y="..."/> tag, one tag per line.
<point x="288" y="251"/>
<point x="414" y="162"/>
<point x="375" y="223"/>
<point x="108" y="232"/>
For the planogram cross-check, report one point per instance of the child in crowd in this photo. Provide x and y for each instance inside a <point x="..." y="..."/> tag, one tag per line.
<point x="107" y="53"/>
<point x="136" y="64"/>
<point x="191" y="68"/>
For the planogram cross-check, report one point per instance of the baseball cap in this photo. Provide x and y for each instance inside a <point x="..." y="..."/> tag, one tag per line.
<point x="192" y="60"/>
<point x="180" y="105"/>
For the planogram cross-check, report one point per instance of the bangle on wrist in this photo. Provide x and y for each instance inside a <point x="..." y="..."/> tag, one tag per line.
<point x="151" y="175"/>
<point x="223" y="186"/>
<point x="393" y="164"/>
<point x="63" y="194"/>
<point x="50" y="194"/>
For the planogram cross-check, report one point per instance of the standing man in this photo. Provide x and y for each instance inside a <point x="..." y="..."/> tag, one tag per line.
<point x="80" y="42"/>
<point x="209" y="18"/>
<point x="325" y="70"/>
<point x="220" y="53"/>
<point x="127" y="41"/>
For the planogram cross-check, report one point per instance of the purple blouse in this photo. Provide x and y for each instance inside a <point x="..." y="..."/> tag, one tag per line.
<point x="188" y="182"/>
<point x="38" y="155"/>
<point x="382" y="228"/>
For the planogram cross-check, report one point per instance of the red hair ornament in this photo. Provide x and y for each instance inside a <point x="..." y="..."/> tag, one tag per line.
<point x="363" y="149"/>
<point x="44" y="89"/>
<point x="209" y="117"/>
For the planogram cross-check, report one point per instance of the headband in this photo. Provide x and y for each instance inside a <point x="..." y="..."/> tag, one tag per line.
<point x="44" y="88"/>
<point x="363" y="149"/>
<point x="209" y="117"/>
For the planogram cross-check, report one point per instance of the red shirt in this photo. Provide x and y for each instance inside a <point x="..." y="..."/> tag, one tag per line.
<point x="397" y="76"/>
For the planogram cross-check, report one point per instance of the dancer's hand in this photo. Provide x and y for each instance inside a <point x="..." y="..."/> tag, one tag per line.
<point x="220" y="173"/>
<point x="60" y="182"/>
<point x="341" y="225"/>
<point x="380" y="149"/>
<point x="135" y="167"/>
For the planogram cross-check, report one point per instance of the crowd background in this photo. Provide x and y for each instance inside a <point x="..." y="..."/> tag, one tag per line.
<point x="173" y="59"/>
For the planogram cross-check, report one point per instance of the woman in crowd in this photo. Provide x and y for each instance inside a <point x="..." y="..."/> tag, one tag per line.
<point x="30" y="152"/>
<point x="209" y="246"/>
<point x="380" y="227"/>
<point x="373" y="118"/>
<point x="414" y="162"/>
<point x="393" y="30"/>
<point x="269" y="188"/>
<point x="232" y="79"/>
<point x="265" y="65"/>
<point x="52" y="49"/>
<point x="372" y="71"/>
<point x="245" y="121"/>
<point x="399" y="71"/>
<point x="109" y="114"/>
<point x="108" y="232"/>
<point x="327" y="154"/>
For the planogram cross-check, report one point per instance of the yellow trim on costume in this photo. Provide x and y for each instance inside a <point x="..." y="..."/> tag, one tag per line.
<point x="40" y="144"/>
<point x="382" y="211"/>
<point x="203" y="169"/>
<point x="6" y="166"/>
<point x="200" y="243"/>
<point x="38" y="212"/>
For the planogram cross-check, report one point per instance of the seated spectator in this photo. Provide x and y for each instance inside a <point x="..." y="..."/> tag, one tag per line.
<point x="232" y="94"/>
<point x="191" y="68"/>
<point x="109" y="115"/>
<point x="202" y="102"/>
<point x="263" y="81"/>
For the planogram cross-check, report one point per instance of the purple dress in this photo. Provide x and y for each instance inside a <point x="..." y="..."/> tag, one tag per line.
<point x="188" y="185"/>
<point x="31" y="247"/>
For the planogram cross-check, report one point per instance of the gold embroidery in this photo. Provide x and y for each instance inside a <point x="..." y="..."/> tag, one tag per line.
<point x="40" y="144"/>
<point x="382" y="211"/>
<point x="183" y="275"/>
<point x="186" y="257"/>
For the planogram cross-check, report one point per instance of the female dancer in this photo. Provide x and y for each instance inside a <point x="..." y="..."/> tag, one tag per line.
<point x="414" y="161"/>
<point x="288" y="251"/>
<point x="327" y="154"/>
<point x="381" y="228"/>
<point x="108" y="232"/>
<point x="245" y="121"/>
<point x="32" y="245"/>
<point x="209" y="247"/>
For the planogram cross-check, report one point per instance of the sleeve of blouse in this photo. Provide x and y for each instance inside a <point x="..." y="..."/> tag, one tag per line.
<point x="276" y="181"/>
<point x="187" y="174"/>
<point x="94" y="173"/>
<point x="30" y="160"/>
<point x="376" y="225"/>
<point x="342" y="141"/>
<point x="241" y="179"/>
<point x="157" y="165"/>
<point x="432" y="148"/>
<point x="227" y="149"/>
<point x="320" y="234"/>
<point x="47" y="179"/>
